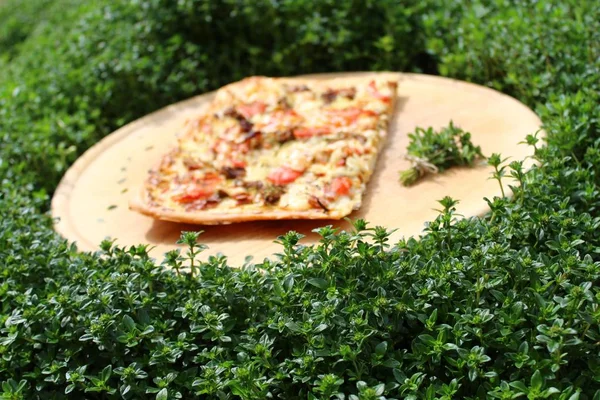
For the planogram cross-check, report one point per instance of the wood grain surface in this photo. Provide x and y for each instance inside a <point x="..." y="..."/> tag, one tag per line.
<point x="90" y="203"/>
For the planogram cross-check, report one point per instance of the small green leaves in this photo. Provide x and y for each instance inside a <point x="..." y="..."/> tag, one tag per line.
<point x="495" y="160"/>
<point x="381" y="348"/>
<point x="11" y="390"/>
<point x="190" y="239"/>
<point x="535" y="390"/>
<point x="318" y="283"/>
<point x="128" y="323"/>
<point x="106" y="372"/>
<point x="501" y="306"/>
<point x="531" y="140"/>
<point x="163" y="394"/>
<point x="537" y="381"/>
<point x="328" y="385"/>
<point x="447" y="203"/>
<point x="433" y="152"/>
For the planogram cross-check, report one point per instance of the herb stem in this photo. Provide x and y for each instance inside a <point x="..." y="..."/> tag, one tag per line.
<point x="432" y="152"/>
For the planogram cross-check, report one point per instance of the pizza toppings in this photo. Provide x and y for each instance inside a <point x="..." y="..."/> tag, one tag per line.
<point x="238" y="163"/>
<point x="331" y="94"/>
<point x="316" y="202"/>
<point x="257" y="185"/>
<point x="252" y="138"/>
<point x="375" y="92"/>
<point x="298" y="88"/>
<point x="245" y="125"/>
<point x="308" y="132"/>
<point x="299" y="159"/>
<point x="269" y="146"/>
<point x="233" y="172"/>
<point x="284" y="136"/>
<point x="322" y="156"/>
<point x="339" y="186"/>
<point x="348" y="116"/>
<point x="192" y="164"/>
<point x="271" y="194"/>
<point x="202" y="204"/>
<point x="243" y="198"/>
<point x="195" y="192"/>
<point x="284" y="104"/>
<point x="283" y="175"/>
<point x="249" y="110"/>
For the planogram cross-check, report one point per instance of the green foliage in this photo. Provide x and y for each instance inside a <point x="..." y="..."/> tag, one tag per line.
<point x="89" y="67"/>
<point x="528" y="49"/>
<point x="17" y="20"/>
<point x="500" y="307"/>
<point x="433" y="152"/>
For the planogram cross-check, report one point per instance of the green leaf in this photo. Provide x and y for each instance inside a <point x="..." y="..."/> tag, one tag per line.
<point x="294" y="327"/>
<point x="520" y="386"/>
<point x="163" y="394"/>
<point x="128" y="322"/>
<point x="575" y="396"/>
<point x="537" y="381"/>
<point x="399" y="375"/>
<point x="391" y="363"/>
<point x="124" y="389"/>
<point x="427" y="339"/>
<point x="69" y="388"/>
<point x="106" y="372"/>
<point x="288" y="282"/>
<point x="381" y="348"/>
<point x="472" y="374"/>
<point x="319" y="283"/>
<point x="72" y="71"/>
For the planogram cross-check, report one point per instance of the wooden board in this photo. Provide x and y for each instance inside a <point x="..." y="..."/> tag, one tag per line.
<point x="90" y="202"/>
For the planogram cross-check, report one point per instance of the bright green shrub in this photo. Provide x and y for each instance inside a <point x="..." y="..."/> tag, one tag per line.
<point x="526" y="49"/>
<point x="105" y="63"/>
<point x="17" y="20"/>
<point x="504" y="306"/>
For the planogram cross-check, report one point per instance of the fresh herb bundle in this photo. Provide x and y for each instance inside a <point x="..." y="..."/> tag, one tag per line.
<point x="432" y="152"/>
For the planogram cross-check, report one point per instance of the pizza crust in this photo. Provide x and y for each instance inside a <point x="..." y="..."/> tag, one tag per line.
<point x="140" y="203"/>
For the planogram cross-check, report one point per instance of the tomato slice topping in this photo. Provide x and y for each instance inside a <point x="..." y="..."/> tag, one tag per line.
<point x="237" y="163"/>
<point x="370" y="113"/>
<point x="200" y="190"/>
<point x="373" y="90"/>
<point x="248" y="110"/>
<point x="194" y="193"/>
<point x="354" y="151"/>
<point x="283" y="175"/>
<point x="340" y="186"/>
<point x="350" y="114"/>
<point x="305" y="133"/>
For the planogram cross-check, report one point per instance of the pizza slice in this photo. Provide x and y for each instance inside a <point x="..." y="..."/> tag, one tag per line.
<point x="274" y="148"/>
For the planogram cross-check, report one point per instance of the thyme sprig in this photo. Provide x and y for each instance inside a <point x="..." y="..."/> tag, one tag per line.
<point x="432" y="152"/>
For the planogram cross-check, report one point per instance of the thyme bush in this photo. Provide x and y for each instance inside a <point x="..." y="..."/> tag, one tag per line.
<point x="504" y="306"/>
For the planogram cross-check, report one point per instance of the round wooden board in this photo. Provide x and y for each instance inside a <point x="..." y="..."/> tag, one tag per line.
<point x="91" y="202"/>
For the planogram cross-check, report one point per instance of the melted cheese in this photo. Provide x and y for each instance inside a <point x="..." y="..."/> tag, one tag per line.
<point x="349" y="149"/>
